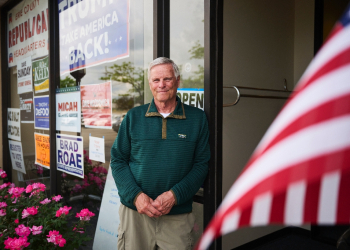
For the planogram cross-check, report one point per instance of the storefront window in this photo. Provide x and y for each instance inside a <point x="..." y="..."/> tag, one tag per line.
<point x="187" y="51"/>
<point x="28" y="113"/>
<point x="105" y="48"/>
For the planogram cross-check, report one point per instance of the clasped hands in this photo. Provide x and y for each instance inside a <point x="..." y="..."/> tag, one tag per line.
<point x="155" y="208"/>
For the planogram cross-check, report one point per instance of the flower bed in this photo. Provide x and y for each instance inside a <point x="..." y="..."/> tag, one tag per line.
<point x="30" y="220"/>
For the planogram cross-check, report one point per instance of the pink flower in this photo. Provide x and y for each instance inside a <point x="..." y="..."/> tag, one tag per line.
<point x="56" y="238"/>
<point x="29" y="189"/>
<point x="15" y="209"/>
<point x="46" y="201"/>
<point x="97" y="180"/>
<point x="40" y="186"/>
<point x="16" y="244"/>
<point x="3" y="204"/>
<point x="36" y="230"/>
<point x="5" y="185"/>
<point x="3" y="174"/>
<point x="64" y="175"/>
<point x="63" y="210"/>
<point x="85" y="152"/>
<point x="77" y="188"/>
<point x="85" y="214"/>
<point x="12" y="185"/>
<point x="40" y="169"/>
<point x="57" y="198"/>
<point x="16" y="191"/>
<point x="29" y="211"/>
<point x="22" y="230"/>
<point x="76" y="229"/>
<point x="16" y="221"/>
<point x="2" y="212"/>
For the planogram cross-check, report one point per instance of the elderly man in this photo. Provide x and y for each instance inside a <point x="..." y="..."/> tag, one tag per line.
<point x="159" y="161"/>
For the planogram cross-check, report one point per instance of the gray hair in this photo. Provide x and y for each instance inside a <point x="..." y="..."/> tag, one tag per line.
<point x="163" y="60"/>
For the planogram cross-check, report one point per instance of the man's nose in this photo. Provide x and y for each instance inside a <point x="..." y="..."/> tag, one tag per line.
<point x="162" y="83"/>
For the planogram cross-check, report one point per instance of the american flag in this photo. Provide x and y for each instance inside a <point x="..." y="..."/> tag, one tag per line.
<point x="300" y="171"/>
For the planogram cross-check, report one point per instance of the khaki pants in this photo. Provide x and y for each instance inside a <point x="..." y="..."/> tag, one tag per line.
<point x="140" y="232"/>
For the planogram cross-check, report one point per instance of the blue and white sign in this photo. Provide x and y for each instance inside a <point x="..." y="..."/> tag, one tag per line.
<point x="92" y="32"/>
<point x="41" y="112"/>
<point x="106" y="235"/>
<point x="70" y="154"/>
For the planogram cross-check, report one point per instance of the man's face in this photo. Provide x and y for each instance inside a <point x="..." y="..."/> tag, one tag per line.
<point x="163" y="83"/>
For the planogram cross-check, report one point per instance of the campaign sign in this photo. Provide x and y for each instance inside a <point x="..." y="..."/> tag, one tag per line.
<point x="192" y="97"/>
<point x="92" y="32"/>
<point x="24" y="75"/>
<point x="26" y="107"/>
<point x="16" y="154"/>
<point x="106" y="235"/>
<point x="97" y="149"/>
<point x="96" y="105"/>
<point x="70" y="154"/>
<point x="14" y="124"/>
<point x="68" y="110"/>
<point x="41" y="112"/>
<point x="41" y="75"/>
<point x="27" y="25"/>
<point x="42" y="150"/>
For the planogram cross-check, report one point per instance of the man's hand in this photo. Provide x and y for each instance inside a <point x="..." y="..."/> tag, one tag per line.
<point x="144" y="206"/>
<point x="164" y="202"/>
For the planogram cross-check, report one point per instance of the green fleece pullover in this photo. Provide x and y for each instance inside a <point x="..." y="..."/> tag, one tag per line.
<point x="152" y="154"/>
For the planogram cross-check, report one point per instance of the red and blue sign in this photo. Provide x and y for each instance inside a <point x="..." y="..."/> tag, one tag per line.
<point x="92" y="32"/>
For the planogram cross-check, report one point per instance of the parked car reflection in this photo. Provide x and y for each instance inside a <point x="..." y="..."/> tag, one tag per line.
<point x="117" y="121"/>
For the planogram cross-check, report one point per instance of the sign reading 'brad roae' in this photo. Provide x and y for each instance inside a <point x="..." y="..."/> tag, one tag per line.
<point x="16" y="154"/>
<point x="92" y="32"/>
<point x="70" y="154"/>
<point x="14" y="124"/>
<point x="41" y="75"/>
<point x="68" y="111"/>
<point x="41" y="112"/>
<point x="24" y="75"/>
<point x="27" y="108"/>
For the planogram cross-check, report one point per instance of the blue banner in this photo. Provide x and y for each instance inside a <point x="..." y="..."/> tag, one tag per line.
<point x="41" y="112"/>
<point x="92" y="32"/>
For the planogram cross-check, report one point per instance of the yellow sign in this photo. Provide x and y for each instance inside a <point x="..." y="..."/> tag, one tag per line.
<point x="42" y="150"/>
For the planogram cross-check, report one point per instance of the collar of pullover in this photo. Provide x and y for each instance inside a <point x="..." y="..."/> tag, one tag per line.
<point x="178" y="113"/>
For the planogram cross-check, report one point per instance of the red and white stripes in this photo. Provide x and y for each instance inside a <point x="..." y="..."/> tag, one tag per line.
<point x="300" y="171"/>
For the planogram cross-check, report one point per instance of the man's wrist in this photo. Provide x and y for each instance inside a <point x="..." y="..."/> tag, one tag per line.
<point x="174" y="196"/>
<point x="136" y="198"/>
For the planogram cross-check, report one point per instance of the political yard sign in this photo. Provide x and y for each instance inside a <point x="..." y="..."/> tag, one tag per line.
<point x="14" y="124"/>
<point x="92" y="32"/>
<point x="70" y="154"/>
<point x="41" y="75"/>
<point x="41" y="112"/>
<point x="16" y="154"/>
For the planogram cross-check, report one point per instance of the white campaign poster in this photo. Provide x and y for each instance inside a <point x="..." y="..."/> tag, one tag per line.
<point x="68" y="112"/>
<point x="97" y="149"/>
<point x="16" y="153"/>
<point x="14" y="124"/>
<point x="27" y="25"/>
<point x="70" y="154"/>
<point x="24" y="75"/>
<point x="106" y="235"/>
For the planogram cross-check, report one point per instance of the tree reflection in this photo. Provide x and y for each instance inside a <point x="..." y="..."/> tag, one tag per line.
<point x="196" y="81"/>
<point x="127" y="73"/>
<point x="67" y="82"/>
